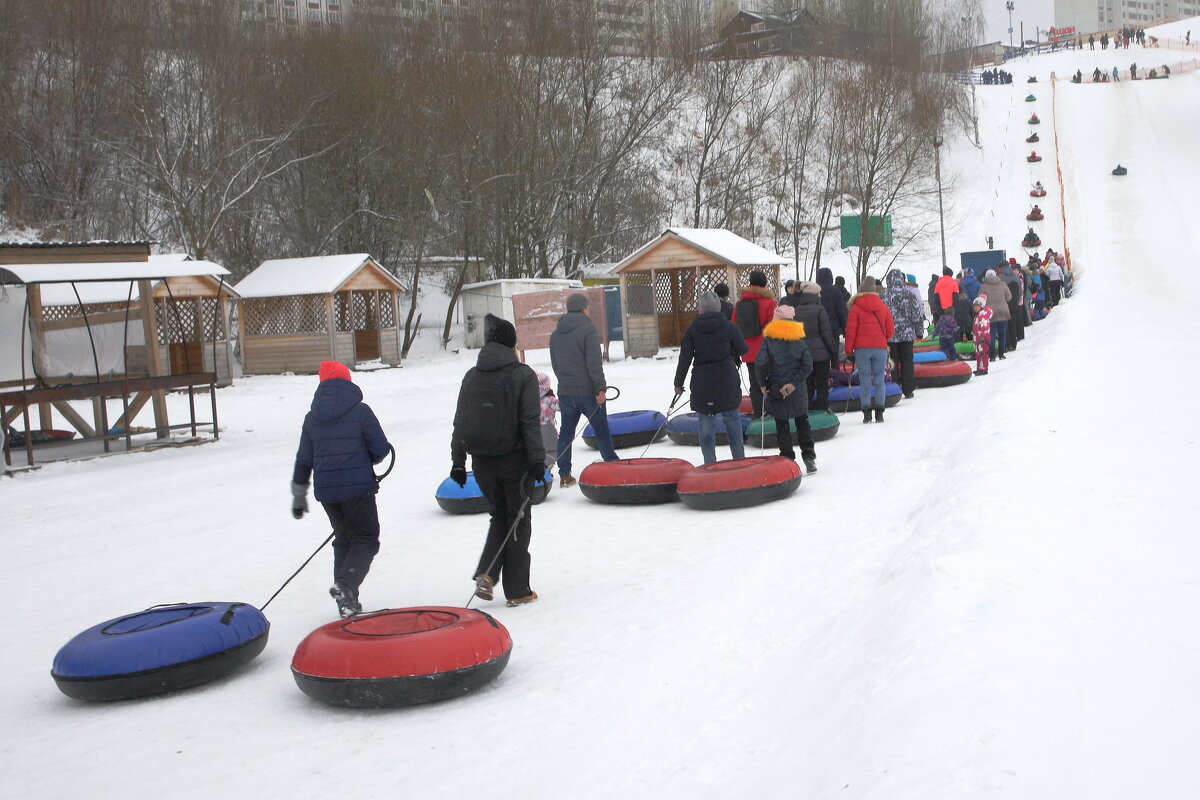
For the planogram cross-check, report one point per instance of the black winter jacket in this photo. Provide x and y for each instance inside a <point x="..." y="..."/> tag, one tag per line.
<point x="575" y="356"/>
<point x="339" y="442"/>
<point x="784" y="358"/>
<point x="714" y="345"/>
<point x="523" y="395"/>
<point x="819" y="336"/>
<point x="833" y="301"/>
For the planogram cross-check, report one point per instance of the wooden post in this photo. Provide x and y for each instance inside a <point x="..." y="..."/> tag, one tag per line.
<point x="223" y="303"/>
<point x="37" y="332"/>
<point x="330" y="319"/>
<point x="395" y="301"/>
<point x="154" y="365"/>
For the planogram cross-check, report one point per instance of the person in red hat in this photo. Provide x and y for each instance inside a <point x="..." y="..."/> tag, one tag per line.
<point x="339" y="442"/>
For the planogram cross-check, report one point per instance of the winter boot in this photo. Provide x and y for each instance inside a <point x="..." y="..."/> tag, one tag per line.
<point x="483" y="587"/>
<point x="566" y="482"/>
<point x="520" y="601"/>
<point x="866" y="413"/>
<point x="879" y="413"/>
<point x="810" y="464"/>
<point x="347" y="600"/>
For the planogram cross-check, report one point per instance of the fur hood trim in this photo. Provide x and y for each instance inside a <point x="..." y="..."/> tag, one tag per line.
<point x="784" y="329"/>
<point x="760" y="291"/>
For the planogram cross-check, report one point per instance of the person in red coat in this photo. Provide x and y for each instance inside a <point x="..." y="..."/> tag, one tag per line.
<point x="756" y="293"/>
<point x="945" y="289"/>
<point x="869" y="325"/>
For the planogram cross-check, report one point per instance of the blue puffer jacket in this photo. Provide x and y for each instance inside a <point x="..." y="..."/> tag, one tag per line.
<point x="835" y="304"/>
<point x="906" y="310"/>
<point x="339" y="442"/>
<point x="970" y="285"/>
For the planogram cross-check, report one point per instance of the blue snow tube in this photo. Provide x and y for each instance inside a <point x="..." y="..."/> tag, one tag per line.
<point x="159" y="650"/>
<point x="630" y="429"/>
<point x="685" y="429"/>
<point x="469" y="499"/>
<point x="929" y="357"/>
<point x="846" y="398"/>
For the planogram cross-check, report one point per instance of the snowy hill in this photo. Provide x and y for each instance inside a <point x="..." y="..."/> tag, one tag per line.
<point x="992" y="594"/>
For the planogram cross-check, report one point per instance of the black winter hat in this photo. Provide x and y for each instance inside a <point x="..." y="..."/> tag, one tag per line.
<point x="758" y="278"/>
<point x="500" y="330"/>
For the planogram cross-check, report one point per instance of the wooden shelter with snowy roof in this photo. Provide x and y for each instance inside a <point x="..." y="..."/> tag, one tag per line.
<point x="662" y="281"/>
<point x="75" y="319"/>
<point x="294" y="313"/>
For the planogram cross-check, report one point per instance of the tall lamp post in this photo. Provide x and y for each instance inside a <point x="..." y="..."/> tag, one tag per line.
<point x="1009" y="7"/>
<point x="937" y="171"/>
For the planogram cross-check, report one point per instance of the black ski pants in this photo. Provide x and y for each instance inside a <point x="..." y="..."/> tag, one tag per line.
<point x="902" y="356"/>
<point x="756" y="397"/>
<point x="355" y="539"/>
<point x="502" y="479"/>
<point x="785" y="439"/>
<point x="818" y="385"/>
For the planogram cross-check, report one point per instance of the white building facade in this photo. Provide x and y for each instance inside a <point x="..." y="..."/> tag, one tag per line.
<point x="1088" y="16"/>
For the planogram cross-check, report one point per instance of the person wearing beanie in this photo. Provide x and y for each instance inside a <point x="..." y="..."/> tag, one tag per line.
<point x="722" y="293"/>
<point x="981" y="333"/>
<point x="711" y="347"/>
<point x="576" y="360"/>
<point x="834" y="299"/>
<point x="868" y="328"/>
<point x="755" y="308"/>
<point x="819" y="336"/>
<point x="788" y="289"/>
<point x="340" y="440"/>
<point x="909" y="322"/>
<point x="497" y="421"/>
<point x="783" y="365"/>
<point x="997" y="295"/>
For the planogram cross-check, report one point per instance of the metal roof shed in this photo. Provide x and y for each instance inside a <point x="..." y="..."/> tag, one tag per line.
<point x="295" y="313"/>
<point x="495" y="297"/>
<point x="662" y="280"/>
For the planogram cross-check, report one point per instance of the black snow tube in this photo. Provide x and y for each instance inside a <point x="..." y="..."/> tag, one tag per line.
<point x="631" y="429"/>
<point x="159" y="650"/>
<point x="633" y="481"/>
<point x="401" y="657"/>
<point x="739" y="484"/>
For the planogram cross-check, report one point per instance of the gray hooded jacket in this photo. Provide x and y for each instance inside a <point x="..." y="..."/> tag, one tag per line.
<point x="575" y="356"/>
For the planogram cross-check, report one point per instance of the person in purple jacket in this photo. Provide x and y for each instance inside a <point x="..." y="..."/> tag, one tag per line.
<point x="339" y="442"/>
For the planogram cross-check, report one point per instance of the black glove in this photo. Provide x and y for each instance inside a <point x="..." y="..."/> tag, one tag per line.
<point x="459" y="476"/>
<point x="537" y="472"/>
<point x="299" y="499"/>
<point x="849" y="358"/>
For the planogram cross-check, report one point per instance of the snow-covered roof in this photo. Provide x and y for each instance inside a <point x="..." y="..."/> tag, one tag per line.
<point x="63" y="294"/>
<point x="95" y="271"/>
<point x="170" y="257"/>
<point x="719" y="243"/>
<point x="282" y="277"/>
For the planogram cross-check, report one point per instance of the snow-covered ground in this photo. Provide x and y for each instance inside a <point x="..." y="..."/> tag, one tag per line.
<point x="993" y="594"/>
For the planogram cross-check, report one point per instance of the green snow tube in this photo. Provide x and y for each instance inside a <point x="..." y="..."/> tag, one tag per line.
<point x="761" y="431"/>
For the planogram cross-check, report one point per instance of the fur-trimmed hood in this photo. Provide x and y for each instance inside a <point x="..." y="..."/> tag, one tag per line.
<point x="786" y="329"/>
<point x="759" y="291"/>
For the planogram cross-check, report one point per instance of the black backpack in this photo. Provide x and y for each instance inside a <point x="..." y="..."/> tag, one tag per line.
<point x="486" y="420"/>
<point x="745" y="314"/>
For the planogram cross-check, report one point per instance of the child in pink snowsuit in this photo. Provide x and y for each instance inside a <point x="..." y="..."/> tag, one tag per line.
<point x="981" y="332"/>
<point x="549" y="404"/>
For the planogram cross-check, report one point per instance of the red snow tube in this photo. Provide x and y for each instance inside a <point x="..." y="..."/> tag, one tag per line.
<point x="925" y="346"/>
<point x="1036" y="193"/>
<point x="941" y="373"/>
<point x="1034" y="217"/>
<point x="401" y="657"/>
<point x="633" y="481"/>
<point x="1033" y="159"/>
<point x="738" y="484"/>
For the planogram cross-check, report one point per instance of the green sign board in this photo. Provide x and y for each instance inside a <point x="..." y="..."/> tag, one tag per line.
<point x="879" y="231"/>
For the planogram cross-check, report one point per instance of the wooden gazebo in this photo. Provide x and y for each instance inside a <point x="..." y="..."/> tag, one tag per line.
<point x="294" y="313"/>
<point x="661" y="281"/>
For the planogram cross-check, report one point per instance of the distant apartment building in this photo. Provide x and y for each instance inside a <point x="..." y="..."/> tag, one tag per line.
<point x="294" y="13"/>
<point x="1087" y="16"/>
<point x="725" y="10"/>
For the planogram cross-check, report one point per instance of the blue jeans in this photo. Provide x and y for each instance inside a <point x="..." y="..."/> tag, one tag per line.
<point x="999" y="334"/>
<point x="572" y="408"/>
<point x="871" y="362"/>
<point x="708" y="434"/>
<point x="946" y="345"/>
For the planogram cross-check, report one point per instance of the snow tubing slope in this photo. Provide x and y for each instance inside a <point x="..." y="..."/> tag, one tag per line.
<point x="159" y="650"/>
<point x="401" y="657"/>
<point x="469" y="499"/>
<point x="633" y="481"/>
<point x="945" y="373"/>
<point x="685" y="429"/>
<point x="824" y="425"/>
<point x="630" y="429"/>
<point x="846" y="398"/>
<point x="739" y="484"/>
